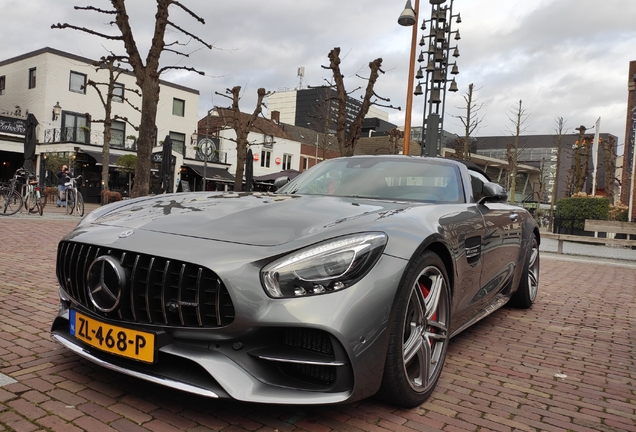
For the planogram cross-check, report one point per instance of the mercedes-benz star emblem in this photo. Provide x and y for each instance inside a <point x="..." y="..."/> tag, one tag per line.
<point x="106" y="281"/>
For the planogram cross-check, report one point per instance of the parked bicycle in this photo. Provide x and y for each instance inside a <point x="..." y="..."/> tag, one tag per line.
<point x="10" y="199"/>
<point x="73" y="198"/>
<point x="34" y="200"/>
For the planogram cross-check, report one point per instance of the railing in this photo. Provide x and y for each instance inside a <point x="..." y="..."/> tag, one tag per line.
<point x="85" y="136"/>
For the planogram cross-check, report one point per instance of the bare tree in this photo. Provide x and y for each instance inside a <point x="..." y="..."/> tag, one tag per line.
<point x="146" y="73"/>
<point x="558" y="140"/>
<point x="242" y="125"/>
<point x="519" y="117"/>
<point x="609" y="162"/>
<point x="106" y="98"/>
<point x="347" y="143"/>
<point x="470" y="121"/>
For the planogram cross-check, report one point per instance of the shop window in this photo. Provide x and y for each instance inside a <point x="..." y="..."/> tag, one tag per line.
<point x="266" y="157"/>
<point x="77" y="82"/>
<point x="178" y="107"/>
<point x="32" y="78"/>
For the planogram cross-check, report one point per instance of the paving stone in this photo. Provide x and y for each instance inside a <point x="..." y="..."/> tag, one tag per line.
<point x="500" y="374"/>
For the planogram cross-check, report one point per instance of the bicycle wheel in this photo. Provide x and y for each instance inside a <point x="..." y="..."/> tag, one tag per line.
<point x="31" y="202"/>
<point x="69" y="205"/>
<point x="11" y="202"/>
<point x="79" y="204"/>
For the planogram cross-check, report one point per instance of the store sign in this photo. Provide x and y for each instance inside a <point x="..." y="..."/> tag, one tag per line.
<point x="158" y="158"/>
<point x="256" y="157"/>
<point x="12" y="125"/>
<point x="278" y="161"/>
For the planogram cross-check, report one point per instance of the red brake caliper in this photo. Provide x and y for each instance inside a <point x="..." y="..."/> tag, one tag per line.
<point x="425" y="293"/>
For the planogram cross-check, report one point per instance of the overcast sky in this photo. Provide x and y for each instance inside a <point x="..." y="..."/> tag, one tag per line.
<point x="562" y="58"/>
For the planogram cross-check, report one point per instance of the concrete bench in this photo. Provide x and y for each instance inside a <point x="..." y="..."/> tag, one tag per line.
<point x="609" y="227"/>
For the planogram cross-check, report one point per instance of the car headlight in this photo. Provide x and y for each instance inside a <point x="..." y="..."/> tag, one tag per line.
<point x="329" y="266"/>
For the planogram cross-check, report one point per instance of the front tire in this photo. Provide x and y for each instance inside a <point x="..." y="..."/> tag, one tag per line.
<point x="419" y="334"/>
<point x="526" y="294"/>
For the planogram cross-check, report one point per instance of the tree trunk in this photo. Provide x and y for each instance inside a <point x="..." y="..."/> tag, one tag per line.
<point x="466" y="152"/>
<point x="147" y="136"/>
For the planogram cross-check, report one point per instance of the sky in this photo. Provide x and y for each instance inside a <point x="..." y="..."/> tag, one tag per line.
<point x="561" y="58"/>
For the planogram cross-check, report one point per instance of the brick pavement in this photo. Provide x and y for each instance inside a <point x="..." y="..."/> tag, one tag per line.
<point x="566" y="364"/>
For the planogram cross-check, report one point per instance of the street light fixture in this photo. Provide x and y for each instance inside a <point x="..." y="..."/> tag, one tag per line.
<point x="57" y="110"/>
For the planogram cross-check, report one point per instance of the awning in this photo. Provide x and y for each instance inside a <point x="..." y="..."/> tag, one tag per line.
<point x="97" y="155"/>
<point x="212" y="173"/>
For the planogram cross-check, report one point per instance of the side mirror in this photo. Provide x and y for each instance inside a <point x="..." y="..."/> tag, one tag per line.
<point x="493" y="192"/>
<point x="280" y="182"/>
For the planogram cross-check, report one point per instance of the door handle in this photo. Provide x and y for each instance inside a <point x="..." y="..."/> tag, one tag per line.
<point x="513" y="217"/>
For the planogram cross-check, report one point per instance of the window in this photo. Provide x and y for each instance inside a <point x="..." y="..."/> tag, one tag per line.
<point x="266" y="157"/>
<point x="178" y="107"/>
<point x="287" y="158"/>
<point x="118" y="93"/>
<point x="178" y="142"/>
<point x="32" y="78"/>
<point x="3" y="83"/>
<point x="77" y="82"/>
<point x="75" y="128"/>
<point x="117" y="133"/>
<point x="305" y="163"/>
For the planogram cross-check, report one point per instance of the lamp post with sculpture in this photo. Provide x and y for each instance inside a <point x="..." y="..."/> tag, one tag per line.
<point x="435" y="52"/>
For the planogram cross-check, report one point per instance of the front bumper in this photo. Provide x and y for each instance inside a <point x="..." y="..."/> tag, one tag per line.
<point x="274" y="350"/>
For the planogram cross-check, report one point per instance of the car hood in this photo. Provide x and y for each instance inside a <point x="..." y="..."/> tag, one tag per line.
<point x="249" y="218"/>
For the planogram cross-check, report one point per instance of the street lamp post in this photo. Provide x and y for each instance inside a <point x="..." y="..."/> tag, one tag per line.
<point x="436" y="67"/>
<point x="409" y="18"/>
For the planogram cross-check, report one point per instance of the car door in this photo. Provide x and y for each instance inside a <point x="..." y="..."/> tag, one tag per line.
<point x="500" y="248"/>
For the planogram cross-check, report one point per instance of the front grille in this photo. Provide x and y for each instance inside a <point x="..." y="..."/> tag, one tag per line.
<point x="160" y="291"/>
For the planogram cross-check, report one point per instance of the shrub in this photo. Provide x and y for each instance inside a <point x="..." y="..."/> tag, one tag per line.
<point x="110" y="196"/>
<point x="618" y="212"/>
<point x="580" y="208"/>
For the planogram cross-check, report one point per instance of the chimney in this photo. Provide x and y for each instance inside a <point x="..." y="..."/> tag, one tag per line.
<point x="276" y="116"/>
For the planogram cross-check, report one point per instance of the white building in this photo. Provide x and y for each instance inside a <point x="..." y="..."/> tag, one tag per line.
<point x="46" y="81"/>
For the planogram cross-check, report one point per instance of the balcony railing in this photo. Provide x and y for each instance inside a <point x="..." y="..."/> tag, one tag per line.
<point x="82" y="135"/>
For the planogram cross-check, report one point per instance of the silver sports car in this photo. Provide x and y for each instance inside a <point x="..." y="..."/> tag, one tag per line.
<point x="347" y="282"/>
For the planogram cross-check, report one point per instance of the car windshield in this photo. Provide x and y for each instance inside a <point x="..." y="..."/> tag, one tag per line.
<point x="374" y="177"/>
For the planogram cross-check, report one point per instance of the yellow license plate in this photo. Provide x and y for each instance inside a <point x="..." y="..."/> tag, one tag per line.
<point x="117" y="340"/>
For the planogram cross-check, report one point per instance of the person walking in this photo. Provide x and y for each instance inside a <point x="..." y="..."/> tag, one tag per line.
<point x="63" y="177"/>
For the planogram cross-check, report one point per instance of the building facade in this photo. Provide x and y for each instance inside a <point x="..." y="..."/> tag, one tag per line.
<point x="52" y="85"/>
<point x="317" y="109"/>
<point x="540" y="151"/>
<point x="630" y="140"/>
